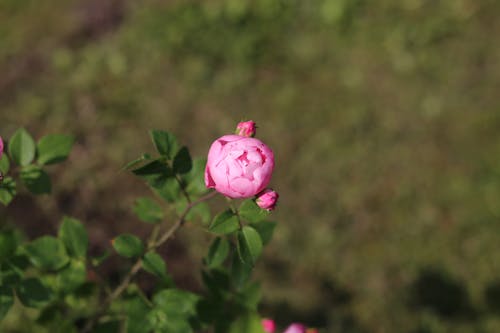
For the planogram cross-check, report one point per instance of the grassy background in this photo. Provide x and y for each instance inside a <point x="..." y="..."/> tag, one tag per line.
<point x="384" y="117"/>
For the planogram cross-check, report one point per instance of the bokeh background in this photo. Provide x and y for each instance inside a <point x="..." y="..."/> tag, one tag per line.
<point x="384" y="117"/>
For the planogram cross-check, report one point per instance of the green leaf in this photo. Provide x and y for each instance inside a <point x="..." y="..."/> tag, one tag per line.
<point x="4" y="164"/>
<point x="194" y="179"/>
<point x="148" y="211"/>
<point x="218" y="252"/>
<point x="154" y="172"/>
<point x="249" y="245"/>
<point x="47" y="252"/>
<point x="74" y="236"/>
<point x="33" y="293"/>
<point x="182" y="161"/>
<point x="172" y="310"/>
<point x="199" y="211"/>
<point x="138" y="160"/>
<point x="240" y="272"/>
<point x="72" y="276"/>
<point x="6" y="300"/>
<point x="169" y="189"/>
<point x="225" y="223"/>
<point x="8" y="244"/>
<point x="54" y="148"/>
<point x="128" y="245"/>
<point x="136" y="311"/>
<point x="22" y="147"/>
<point x="250" y="212"/>
<point x="154" y="264"/>
<point x="7" y="190"/>
<point x="36" y="180"/>
<point x="176" y="302"/>
<point x="250" y="296"/>
<point x="248" y="323"/>
<point x="165" y="143"/>
<point x="265" y="230"/>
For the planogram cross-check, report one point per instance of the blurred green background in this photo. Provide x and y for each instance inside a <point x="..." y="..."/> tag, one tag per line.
<point x="384" y="117"/>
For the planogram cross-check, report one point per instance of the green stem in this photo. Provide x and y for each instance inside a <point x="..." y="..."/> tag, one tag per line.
<point x="138" y="264"/>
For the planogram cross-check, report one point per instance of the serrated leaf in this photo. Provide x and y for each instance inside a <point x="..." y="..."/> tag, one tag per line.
<point x="74" y="236"/>
<point x="148" y="210"/>
<point x="217" y="252"/>
<point x="265" y="230"/>
<point x="47" y="252"/>
<point x="250" y="212"/>
<point x="249" y="245"/>
<point x="22" y="147"/>
<point x="4" y="164"/>
<point x="128" y="245"/>
<point x="225" y="223"/>
<point x="36" y="180"/>
<point x="8" y="190"/>
<point x="182" y="161"/>
<point x="165" y="143"/>
<point x="54" y="148"/>
<point x="6" y="300"/>
<point x="33" y="293"/>
<point x="154" y="264"/>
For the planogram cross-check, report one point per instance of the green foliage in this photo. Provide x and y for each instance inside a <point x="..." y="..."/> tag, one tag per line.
<point x="74" y="236"/>
<point x="148" y="210"/>
<point x="47" y="253"/>
<point x="165" y="143"/>
<point x="217" y="252"/>
<point x="8" y="190"/>
<point x="8" y="244"/>
<point x="128" y="245"/>
<point x="251" y="212"/>
<point x="182" y="161"/>
<point x="54" y="148"/>
<point x="225" y="223"/>
<point x="6" y="300"/>
<point x="154" y="264"/>
<point x="36" y="180"/>
<point x="249" y="245"/>
<point x="33" y="293"/>
<point x="22" y="147"/>
<point x="4" y="164"/>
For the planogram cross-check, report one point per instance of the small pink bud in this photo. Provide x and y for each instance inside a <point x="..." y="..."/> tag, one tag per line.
<point x="1" y="146"/>
<point x="246" y="128"/>
<point x="269" y="325"/>
<point x="267" y="199"/>
<point x="296" y="328"/>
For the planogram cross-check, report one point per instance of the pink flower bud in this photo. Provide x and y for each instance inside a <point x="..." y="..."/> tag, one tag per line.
<point x="267" y="199"/>
<point x="246" y="128"/>
<point x="296" y="328"/>
<point x="269" y="325"/>
<point x="238" y="167"/>
<point x="1" y="146"/>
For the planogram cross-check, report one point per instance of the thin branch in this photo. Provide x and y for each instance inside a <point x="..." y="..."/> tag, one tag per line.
<point x="153" y="244"/>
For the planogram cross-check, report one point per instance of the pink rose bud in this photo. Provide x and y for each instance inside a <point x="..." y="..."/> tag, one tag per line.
<point x="267" y="199"/>
<point x="239" y="167"/>
<point x="296" y="328"/>
<point x="246" y="128"/>
<point x="1" y="146"/>
<point x="269" y="325"/>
